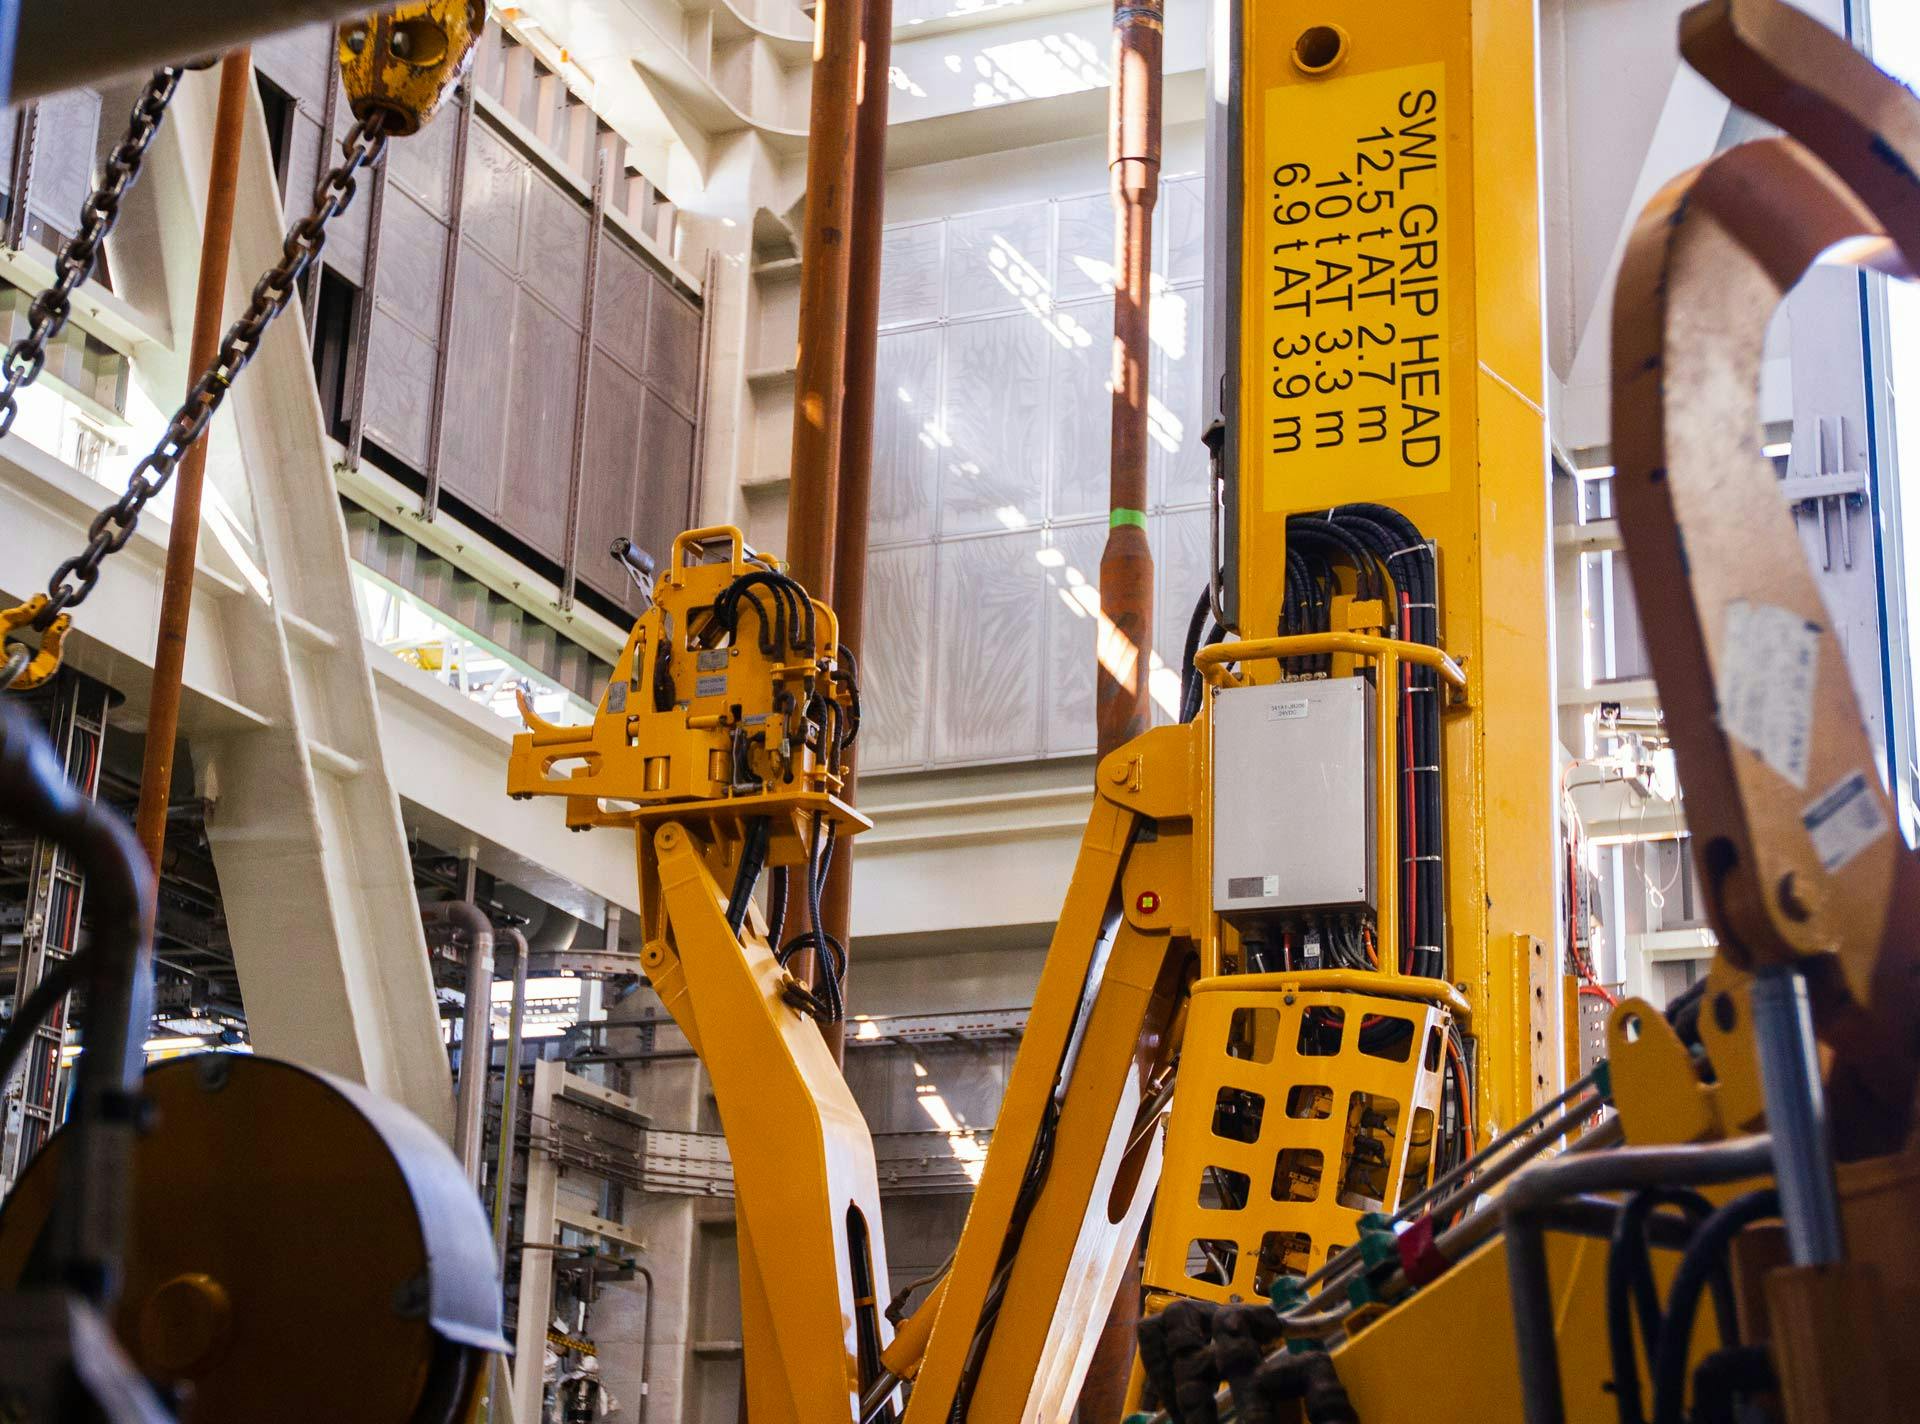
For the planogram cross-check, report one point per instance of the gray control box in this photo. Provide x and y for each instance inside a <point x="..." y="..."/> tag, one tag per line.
<point x="1293" y="794"/>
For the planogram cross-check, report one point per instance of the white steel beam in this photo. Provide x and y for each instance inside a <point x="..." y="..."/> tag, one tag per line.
<point x="445" y="754"/>
<point x="304" y="823"/>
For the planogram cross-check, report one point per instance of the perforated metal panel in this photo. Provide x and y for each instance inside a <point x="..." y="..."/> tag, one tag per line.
<point x="1080" y="408"/>
<point x="999" y="260"/>
<point x="1276" y="1091"/>
<point x="906" y="464"/>
<point x="988" y="661"/>
<point x="1072" y="574"/>
<point x="993" y="418"/>
<point x="912" y="255"/>
<point x="894" y="665"/>
<point x="63" y="158"/>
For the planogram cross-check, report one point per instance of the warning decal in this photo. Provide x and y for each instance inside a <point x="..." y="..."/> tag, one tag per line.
<point x="1845" y="821"/>
<point x="1769" y="662"/>
<point x="1350" y="373"/>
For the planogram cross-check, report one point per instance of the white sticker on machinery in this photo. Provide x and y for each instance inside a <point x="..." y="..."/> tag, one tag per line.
<point x="1767" y="670"/>
<point x="1845" y="821"/>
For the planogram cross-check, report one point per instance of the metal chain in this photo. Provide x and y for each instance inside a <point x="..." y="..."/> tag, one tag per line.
<point x="48" y="315"/>
<point x="114" y="525"/>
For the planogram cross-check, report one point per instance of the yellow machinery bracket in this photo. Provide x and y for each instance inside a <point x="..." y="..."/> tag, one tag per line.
<point x="807" y="1193"/>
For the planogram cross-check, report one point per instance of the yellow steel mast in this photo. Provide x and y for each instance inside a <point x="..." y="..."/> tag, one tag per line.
<point x="1382" y="394"/>
<point x="1387" y="214"/>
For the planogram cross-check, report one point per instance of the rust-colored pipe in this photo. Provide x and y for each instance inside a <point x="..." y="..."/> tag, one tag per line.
<point x="1126" y="565"/>
<point x="820" y="366"/>
<point x="856" y="441"/>
<point x="183" y="536"/>
<point x="819" y="382"/>
<point x="1124" y="709"/>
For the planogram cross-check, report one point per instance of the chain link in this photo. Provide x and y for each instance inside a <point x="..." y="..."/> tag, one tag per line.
<point x="114" y="525"/>
<point x="48" y="315"/>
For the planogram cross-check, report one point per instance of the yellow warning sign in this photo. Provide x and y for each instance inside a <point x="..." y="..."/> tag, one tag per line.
<point x="1349" y="376"/>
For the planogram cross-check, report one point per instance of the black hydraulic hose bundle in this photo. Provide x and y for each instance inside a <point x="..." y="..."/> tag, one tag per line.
<point x="1631" y="1293"/>
<point x="1199" y="627"/>
<point x="1193" y="1347"/>
<point x="1704" y="1257"/>
<point x="1400" y="547"/>
<point x="828" y="951"/>
<point x="753" y="860"/>
<point x="790" y="625"/>
<point x="786" y="619"/>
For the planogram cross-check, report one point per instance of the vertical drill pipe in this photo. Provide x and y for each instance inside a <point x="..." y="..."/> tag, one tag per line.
<point x="820" y="367"/>
<point x="183" y="535"/>
<point x="856" y="441"/>
<point x="1125" y="637"/>
<point x="1126" y="565"/>
<point x="363" y="312"/>
<point x="449" y="285"/>
<point x="328" y="112"/>
<point x="819" y="382"/>
<point x="709" y="295"/>
<point x="589" y="310"/>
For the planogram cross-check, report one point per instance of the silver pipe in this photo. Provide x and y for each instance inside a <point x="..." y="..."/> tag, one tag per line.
<point x="500" y="1394"/>
<point x="1524" y="1208"/>
<point x="116" y="968"/>
<point x="1511" y="1135"/>
<point x="1534" y="1201"/>
<point x="878" y="1393"/>
<point x="66" y="43"/>
<point x="1797" y="1116"/>
<point x="1486" y="1178"/>
<point x="646" y="1342"/>
<point x="476" y="1027"/>
<point x="555" y="933"/>
<point x="509" y="1094"/>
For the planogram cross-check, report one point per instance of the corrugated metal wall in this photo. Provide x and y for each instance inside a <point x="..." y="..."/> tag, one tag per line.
<point x="515" y="337"/>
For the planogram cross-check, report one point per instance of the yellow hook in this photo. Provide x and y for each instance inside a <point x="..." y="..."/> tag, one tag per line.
<point x="405" y="62"/>
<point x="44" y="663"/>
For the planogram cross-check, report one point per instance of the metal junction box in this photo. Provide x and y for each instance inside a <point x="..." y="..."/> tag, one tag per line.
<point x="1293" y="794"/>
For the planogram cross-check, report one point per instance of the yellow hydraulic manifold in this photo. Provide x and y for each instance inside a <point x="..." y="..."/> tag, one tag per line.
<point x="405" y="62"/>
<point x="706" y="703"/>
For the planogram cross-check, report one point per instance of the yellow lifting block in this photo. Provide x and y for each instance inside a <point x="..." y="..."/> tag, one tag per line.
<point x="42" y="664"/>
<point x="405" y="62"/>
<point x="1304" y="1101"/>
